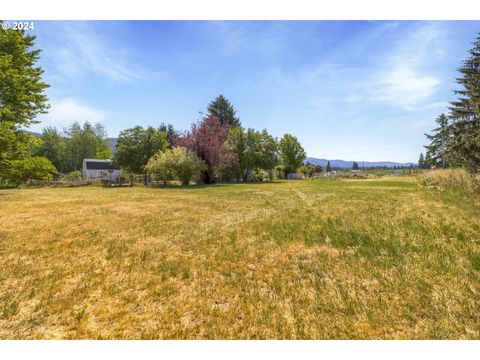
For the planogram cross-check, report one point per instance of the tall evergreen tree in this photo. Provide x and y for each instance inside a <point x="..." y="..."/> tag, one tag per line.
<point x="223" y="110"/>
<point x="171" y="133"/>
<point x="437" y="149"/>
<point x="464" y="147"/>
<point x="329" y="167"/>
<point x="355" y="166"/>
<point x="427" y="163"/>
<point x="421" y="161"/>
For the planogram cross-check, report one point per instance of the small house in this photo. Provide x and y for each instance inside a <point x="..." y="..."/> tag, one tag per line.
<point x="98" y="170"/>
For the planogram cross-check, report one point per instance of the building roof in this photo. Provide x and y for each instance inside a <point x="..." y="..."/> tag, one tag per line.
<point x="100" y="165"/>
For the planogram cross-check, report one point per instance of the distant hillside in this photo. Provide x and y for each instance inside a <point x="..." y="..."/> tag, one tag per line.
<point x="342" y="164"/>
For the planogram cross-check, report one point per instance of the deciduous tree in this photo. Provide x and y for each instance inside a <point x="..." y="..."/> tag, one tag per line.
<point x="254" y="150"/>
<point x="84" y="142"/>
<point x="22" y="94"/>
<point x="53" y="147"/>
<point x="31" y="168"/>
<point x="136" y="146"/>
<point x="177" y="163"/>
<point x="291" y="152"/>
<point x="207" y="139"/>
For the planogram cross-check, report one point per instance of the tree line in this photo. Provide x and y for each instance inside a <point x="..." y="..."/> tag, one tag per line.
<point x="66" y="150"/>
<point x="455" y="142"/>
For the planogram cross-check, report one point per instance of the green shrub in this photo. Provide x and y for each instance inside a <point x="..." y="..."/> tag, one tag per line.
<point x="259" y="175"/>
<point x="31" y="168"/>
<point x="282" y="171"/>
<point x="76" y="173"/>
<point x="458" y="179"/>
<point x="176" y="164"/>
<point x="305" y="170"/>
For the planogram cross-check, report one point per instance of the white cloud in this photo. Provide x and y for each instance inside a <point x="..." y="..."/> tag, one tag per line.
<point x="406" y="87"/>
<point x="408" y="79"/>
<point x="84" y="50"/>
<point x="65" y="111"/>
<point x="403" y="74"/>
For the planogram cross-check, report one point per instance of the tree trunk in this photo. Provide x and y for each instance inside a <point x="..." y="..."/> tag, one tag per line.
<point x="245" y="176"/>
<point x="208" y="176"/>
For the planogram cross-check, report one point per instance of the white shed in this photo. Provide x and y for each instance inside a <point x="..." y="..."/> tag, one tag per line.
<point x="95" y="169"/>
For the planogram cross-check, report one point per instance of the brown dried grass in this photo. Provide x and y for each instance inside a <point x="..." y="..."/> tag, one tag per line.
<point x="315" y="259"/>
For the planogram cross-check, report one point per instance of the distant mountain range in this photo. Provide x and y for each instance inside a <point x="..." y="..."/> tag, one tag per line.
<point x="342" y="164"/>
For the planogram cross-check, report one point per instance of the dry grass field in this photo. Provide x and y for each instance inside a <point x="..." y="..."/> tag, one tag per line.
<point x="313" y="259"/>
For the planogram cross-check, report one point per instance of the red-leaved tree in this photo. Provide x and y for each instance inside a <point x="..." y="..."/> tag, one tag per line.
<point x="207" y="139"/>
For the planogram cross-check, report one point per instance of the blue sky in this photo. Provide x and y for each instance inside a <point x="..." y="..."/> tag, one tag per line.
<point x="354" y="90"/>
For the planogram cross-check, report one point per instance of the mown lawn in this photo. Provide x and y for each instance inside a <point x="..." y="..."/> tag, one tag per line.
<point x="315" y="259"/>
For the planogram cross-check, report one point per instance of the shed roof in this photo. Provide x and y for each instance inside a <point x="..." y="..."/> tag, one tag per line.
<point x="101" y="165"/>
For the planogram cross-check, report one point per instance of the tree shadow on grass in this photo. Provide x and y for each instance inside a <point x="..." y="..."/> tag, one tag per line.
<point x="185" y="187"/>
<point x="8" y="187"/>
<point x="206" y="186"/>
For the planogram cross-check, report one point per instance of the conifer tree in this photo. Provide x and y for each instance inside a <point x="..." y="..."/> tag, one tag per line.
<point x="437" y="149"/>
<point x="427" y="163"/>
<point x="421" y="161"/>
<point x="223" y="110"/>
<point x="464" y="147"/>
<point x="329" y="167"/>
